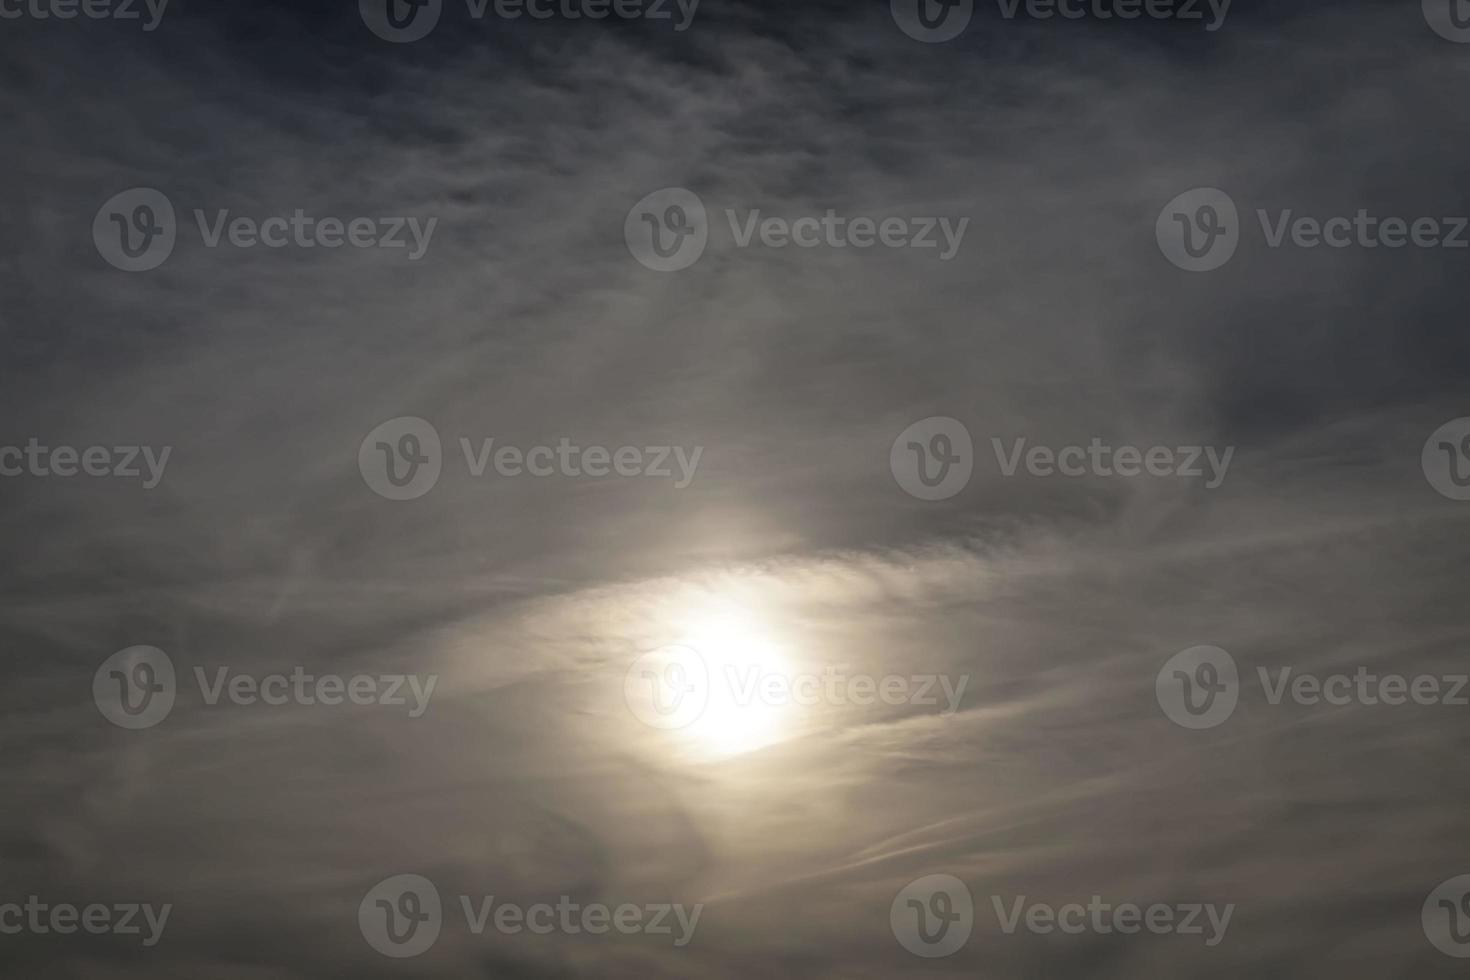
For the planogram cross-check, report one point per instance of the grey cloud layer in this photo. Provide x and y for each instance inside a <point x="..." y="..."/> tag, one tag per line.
<point x="794" y="369"/>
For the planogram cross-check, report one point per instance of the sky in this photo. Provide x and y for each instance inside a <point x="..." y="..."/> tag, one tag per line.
<point x="768" y="489"/>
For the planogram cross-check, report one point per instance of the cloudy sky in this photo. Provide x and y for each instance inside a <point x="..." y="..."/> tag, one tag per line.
<point x="974" y="518"/>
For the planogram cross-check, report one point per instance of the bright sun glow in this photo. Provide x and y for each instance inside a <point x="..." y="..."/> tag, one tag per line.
<point x="737" y="652"/>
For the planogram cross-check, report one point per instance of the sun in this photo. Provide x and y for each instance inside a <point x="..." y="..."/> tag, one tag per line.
<point x="739" y="656"/>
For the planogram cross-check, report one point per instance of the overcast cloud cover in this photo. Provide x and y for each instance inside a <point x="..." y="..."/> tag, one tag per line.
<point x="1324" y="547"/>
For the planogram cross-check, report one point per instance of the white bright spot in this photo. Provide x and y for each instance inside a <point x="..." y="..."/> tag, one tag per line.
<point x="738" y="653"/>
